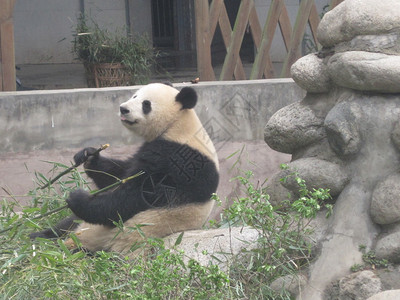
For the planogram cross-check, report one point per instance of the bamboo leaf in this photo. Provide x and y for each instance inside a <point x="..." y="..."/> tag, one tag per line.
<point x="179" y="239"/>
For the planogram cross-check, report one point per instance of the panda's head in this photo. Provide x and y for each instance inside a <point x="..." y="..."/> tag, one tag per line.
<point x="154" y="108"/>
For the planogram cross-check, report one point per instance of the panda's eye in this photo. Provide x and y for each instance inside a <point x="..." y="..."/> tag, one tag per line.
<point x="146" y="107"/>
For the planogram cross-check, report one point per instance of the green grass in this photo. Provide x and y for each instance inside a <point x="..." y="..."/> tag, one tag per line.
<point x="47" y="269"/>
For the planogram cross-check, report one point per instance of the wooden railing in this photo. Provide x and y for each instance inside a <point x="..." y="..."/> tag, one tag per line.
<point x="209" y="15"/>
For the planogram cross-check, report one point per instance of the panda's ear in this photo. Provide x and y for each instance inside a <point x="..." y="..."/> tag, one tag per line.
<point x="187" y="97"/>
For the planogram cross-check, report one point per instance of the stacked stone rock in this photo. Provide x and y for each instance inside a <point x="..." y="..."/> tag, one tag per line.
<point x="345" y="136"/>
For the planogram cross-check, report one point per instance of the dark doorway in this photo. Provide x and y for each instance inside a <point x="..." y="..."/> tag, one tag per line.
<point x="173" y="32"/>
<point x="163" y="23"/>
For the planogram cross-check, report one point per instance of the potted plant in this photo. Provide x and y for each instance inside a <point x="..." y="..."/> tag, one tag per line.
<point x="111" y="59"/>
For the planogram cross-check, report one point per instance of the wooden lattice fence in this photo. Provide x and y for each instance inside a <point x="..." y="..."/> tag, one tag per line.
<point x="210" y="14"/>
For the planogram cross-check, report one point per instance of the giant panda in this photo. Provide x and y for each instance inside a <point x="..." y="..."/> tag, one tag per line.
<point x="180" y="174"/>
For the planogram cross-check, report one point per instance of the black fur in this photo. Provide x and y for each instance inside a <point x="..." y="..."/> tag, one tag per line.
<point x="187" y="97"/>
<point x="146" y="107"/>
<point x="175" y="174"/>
<point x="63" y="227"/>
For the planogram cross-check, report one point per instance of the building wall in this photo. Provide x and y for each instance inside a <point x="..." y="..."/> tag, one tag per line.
<point x="43" y="29"/>
<point x="140" y="17"/>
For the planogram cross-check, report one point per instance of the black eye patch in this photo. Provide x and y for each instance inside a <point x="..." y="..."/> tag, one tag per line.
<point x="146" y="107"/>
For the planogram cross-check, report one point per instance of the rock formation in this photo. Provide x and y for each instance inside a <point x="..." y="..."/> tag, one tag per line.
<point x="345" y="136"/>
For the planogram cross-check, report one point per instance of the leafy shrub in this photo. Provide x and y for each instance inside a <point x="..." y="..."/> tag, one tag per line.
<point x="93" y="44"/>
<point x="284" y="247"/>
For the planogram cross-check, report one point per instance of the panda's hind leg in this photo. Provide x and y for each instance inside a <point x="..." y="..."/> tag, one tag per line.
<point x="152" y="223"/>
<point x="60" y="229"/>
<point x="93" y="237"/>
<point x="159" y="223"/>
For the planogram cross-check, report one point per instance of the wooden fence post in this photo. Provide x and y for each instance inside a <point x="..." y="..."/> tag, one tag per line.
<point x="297" y="36"/>
<point x="334" y="3"/>
<point x="7" y="51"/>
<point x="262" y="58"/>
<point x="239" y="29"/>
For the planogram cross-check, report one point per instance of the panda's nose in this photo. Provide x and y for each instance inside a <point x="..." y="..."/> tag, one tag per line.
<point x="123" y="110"/>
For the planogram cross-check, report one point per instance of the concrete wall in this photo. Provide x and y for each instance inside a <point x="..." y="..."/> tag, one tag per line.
<point x="59" y="119"/>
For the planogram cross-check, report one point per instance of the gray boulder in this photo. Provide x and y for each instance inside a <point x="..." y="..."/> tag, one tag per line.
<point x="293" y="127"/>
<point x="384" y="43"/>
<point x="356" y="286"/>
<point x="365" y="71"/>
<point x="291" y="283"/>
<point x="388" y="247"/>
<point x="217" y="246"/>
<point x="310" y="72"/>
<point x="358" y="17"/>
<point x="385" y="204"/>
<point x="316" y="173"/>
<point x="343" y="127"/>
<point x="386" y="295"/>
<point x="359" y="286"/>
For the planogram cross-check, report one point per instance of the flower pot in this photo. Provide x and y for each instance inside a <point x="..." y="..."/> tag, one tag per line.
<point x="107" y="74"/>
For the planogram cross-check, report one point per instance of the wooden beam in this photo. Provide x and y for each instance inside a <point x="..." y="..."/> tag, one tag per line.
<point x="7" y="51"/>
<point x="313" y="21"/>
<point x="215" y="11"/>
<point x="203" y="41"/>
<point x="7" y="55"/>
<point x="6" y="9"/>
<point x="256" y="33"/>
<point x="297" y="36"/>
<point x="233" y="50"/>
<point x="285" y="26"/>
<point x="226" y="32"/>
<point x="335" y="3"/>
<point x="267" y="37"/>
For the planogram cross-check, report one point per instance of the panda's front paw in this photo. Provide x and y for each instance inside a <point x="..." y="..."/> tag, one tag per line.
<point x="77" y="201"/>
<point x="83" y="155"/>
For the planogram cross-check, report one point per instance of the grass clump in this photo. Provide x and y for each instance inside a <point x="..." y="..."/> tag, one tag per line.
<point x="47" y="269"/>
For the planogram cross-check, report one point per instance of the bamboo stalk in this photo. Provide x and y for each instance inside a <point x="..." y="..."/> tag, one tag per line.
<point x="117" y="183"/>
<point x="105" y="146"/>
